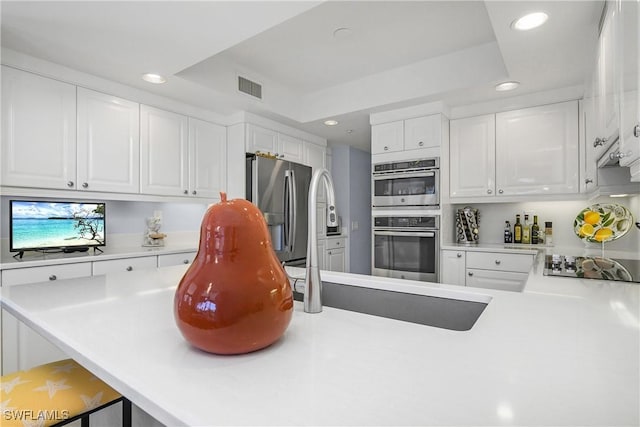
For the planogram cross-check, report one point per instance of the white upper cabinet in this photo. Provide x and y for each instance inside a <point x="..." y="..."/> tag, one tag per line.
<point x="207" y="158"/>
<point x="38" y="131"/>
<point x="630" y="84"/>
<point x="422" y="132"/>
<point x="607" y="104"/>
<point x="537" y="150"/>
<point x="164" y="152"/>
<point x="108" y="143"/>
<point x="290" y="148"/>
<point x="387" y="137"/>
<point x="261" y="140"/>
<point x="417" y="133"/>
<point x="280" y="145"/>
<point x="472" y="153"/>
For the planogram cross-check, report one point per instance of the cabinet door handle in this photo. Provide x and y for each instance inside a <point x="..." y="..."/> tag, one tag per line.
<point x="52" y="277"/>
<point x="186" y="191"/>
<point x="599" y="142"/>
<point x="85" y="184"/>
<point x="498" y="262"/>
<point x="459" y="255"/>
<point x="588" y="181"/>
<point x="70" y="184"/>
<point x="500" y="191"/>
<point x="470" y="273"/>
<point x="636" y="131"/>
<point x="421" y="143"/>
<point x="329" y="252"/>
<point x="386" y="148"/>
<point x="489" y="191"/>
<point x="194" y="192"/>
<point x="129" y="268"/>
<point x="186" y="261"/>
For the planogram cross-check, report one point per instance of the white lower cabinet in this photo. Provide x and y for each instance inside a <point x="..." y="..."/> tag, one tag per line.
<point x="124" y="264"/>
<point x="22" y="347"/>
<point x="453" y="267"/>
<point x="336" y="257"/>
<point x="20" y="276"/>
<point x="489" y="270"/>
<point x="175" y="259"/>
<point x="491" y="279"/>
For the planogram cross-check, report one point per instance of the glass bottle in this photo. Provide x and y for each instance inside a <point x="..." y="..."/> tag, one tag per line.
<point x="507" y="232"/>
<point x="548" y="233"/>
<point x="526" y="230"/>
<point x="517" y="231"/>
<point x="535" y="231"/>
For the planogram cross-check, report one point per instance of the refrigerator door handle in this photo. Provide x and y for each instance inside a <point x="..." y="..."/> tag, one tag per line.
<point x="293" y="206"/>
<point x="289" y="210"/>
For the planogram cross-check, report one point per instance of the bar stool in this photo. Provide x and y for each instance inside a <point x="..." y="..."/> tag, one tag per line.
<point x="56" y="394"/>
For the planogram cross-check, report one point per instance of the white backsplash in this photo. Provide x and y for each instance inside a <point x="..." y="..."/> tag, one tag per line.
<point x="560" y="213"/>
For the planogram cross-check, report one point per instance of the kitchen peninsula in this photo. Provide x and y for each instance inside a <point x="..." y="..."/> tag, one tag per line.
<point x="563" y="352"/>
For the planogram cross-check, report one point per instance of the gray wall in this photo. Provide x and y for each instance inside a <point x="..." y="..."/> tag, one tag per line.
<point x="351" y="171"/>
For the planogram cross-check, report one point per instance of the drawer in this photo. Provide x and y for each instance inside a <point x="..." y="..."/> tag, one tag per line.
<point x="175" y="259"/>
<point x="336" y="243"/>
<point x="490" y="279"/>
<point x="21" y="276"/>
<point x="124" y="264"/>
<point x="500" y="261"/>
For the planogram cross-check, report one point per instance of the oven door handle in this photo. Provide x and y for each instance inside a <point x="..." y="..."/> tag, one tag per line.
<point x="405" y="233"/>
<point x="416" y="174"/>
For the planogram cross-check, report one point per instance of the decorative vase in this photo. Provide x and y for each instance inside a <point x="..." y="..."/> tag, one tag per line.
<point x="235" y="297"/>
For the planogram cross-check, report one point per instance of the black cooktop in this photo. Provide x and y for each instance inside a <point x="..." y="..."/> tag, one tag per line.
<point x="591" y="267"/>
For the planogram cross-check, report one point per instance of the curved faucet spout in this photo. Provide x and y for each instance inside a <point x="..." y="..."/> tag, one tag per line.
<point x="313" y="286"/>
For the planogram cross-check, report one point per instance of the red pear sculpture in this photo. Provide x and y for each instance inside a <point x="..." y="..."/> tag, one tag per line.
<point x="235" y="297"/>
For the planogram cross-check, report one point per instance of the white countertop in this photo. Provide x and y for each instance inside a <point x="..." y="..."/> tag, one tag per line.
<point x="564" y="352"/>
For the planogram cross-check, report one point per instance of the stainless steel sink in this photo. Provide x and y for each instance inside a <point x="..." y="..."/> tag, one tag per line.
<point x="446" y="313"/>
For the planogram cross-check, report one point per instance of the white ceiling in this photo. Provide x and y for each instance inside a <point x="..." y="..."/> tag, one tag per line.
<point x="396" y="53"/>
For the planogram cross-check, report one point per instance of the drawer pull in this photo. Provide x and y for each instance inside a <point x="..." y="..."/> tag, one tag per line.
<point x="186" y="261"/>
<point x="53" y="277"/>
<point x="459" y="255"/>
<point x="129" y="268"/>
<point x="470" y="273"/>
<point x="498" y="262"/>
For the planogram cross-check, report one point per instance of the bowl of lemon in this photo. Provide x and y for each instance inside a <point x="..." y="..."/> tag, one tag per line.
<point x="601" y="223"/>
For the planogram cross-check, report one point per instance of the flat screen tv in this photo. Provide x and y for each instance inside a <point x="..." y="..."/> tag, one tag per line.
<point x="65" y="226"/>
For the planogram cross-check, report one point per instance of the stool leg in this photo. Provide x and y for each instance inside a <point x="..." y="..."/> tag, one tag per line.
<point x="126" y="412"/>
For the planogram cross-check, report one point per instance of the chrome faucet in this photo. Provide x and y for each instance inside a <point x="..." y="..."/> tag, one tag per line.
<point x="313" y="285"/>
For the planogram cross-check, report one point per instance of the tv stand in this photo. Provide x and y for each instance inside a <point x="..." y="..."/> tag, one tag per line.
<point x="70" y="249"/>
<point x="19" y="255"/>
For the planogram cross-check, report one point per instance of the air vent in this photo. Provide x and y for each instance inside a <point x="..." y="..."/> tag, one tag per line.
<point x="250" y="88"/>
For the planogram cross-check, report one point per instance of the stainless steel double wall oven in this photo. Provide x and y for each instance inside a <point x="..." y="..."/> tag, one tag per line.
<point x="406" y="223"/>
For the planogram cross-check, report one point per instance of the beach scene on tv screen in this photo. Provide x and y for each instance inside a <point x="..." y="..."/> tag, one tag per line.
<point x="50" y="225"/>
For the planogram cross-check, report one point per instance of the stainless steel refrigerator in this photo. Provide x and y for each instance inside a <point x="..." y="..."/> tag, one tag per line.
<point x="280" y="189"/>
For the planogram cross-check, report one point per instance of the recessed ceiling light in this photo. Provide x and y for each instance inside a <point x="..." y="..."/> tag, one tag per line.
<point x="618" y="195"/>
<point x="504" y="86"/>
<point x="331" y="122"/>
<point x="530" y="21"/>
<point x="154" y="78"/>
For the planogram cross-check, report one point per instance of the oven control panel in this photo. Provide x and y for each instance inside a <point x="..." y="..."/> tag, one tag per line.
<point x="405" y="222"/>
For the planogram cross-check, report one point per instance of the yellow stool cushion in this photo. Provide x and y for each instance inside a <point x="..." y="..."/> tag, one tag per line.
<point x="51" y="393"/>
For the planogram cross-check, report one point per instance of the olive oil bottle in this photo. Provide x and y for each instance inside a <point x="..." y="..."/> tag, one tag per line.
<point x="517" y="231"/>
<point x="526" y="230"/>
<point x="535" y="231"/>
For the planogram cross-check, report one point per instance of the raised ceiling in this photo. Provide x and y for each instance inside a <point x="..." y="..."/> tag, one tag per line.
<point x="394" y="53"/>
